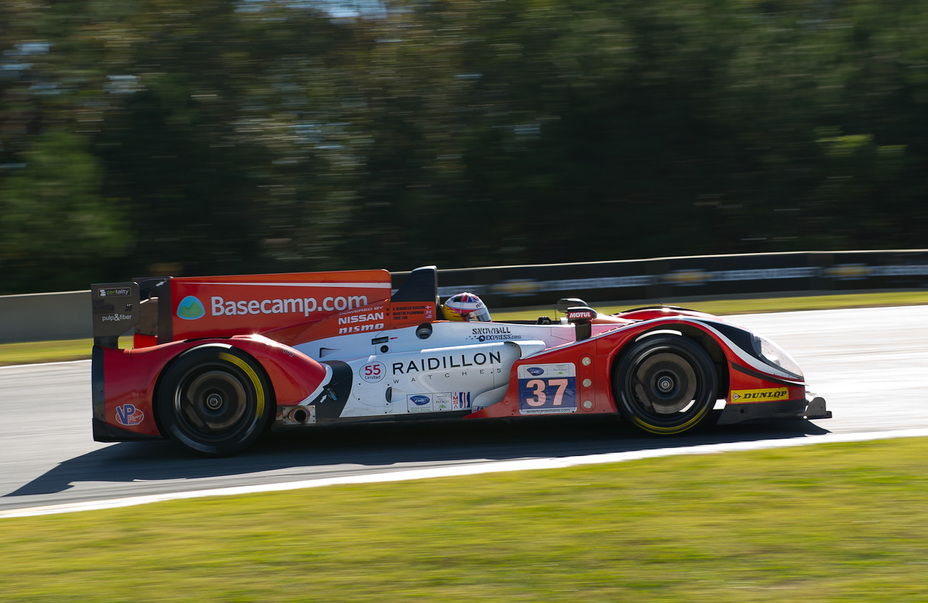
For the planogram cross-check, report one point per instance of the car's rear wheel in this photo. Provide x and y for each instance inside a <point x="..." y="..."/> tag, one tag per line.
<point x="215" y="400"/>
<point x="665" y="384"/>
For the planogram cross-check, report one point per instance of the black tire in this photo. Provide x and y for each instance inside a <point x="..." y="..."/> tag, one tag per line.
<point x="215" y="400"/>
<point x="665" y="384"/>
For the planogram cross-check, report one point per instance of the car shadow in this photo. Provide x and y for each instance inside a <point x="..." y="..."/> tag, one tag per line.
<point x="160" y="466"/>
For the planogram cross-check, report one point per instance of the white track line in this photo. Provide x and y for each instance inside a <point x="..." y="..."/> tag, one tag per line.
<point x="460" y="470"/>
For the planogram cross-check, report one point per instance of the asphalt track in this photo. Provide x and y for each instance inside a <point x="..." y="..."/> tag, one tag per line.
<point x="869" y="364"/>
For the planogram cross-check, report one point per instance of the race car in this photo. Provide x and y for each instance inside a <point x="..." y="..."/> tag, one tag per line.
<point x="217" y="361"/>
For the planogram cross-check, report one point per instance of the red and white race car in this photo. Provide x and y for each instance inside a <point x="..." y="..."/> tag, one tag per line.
<point x="216" y="361"/>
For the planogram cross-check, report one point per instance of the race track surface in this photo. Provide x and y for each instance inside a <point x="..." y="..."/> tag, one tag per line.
<point x="869" y="364"/>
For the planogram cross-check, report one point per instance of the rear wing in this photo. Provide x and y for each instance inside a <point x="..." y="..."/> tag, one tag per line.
<point x="161" y="310"/>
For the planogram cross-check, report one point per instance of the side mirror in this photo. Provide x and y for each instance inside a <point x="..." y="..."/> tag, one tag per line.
<point x="582" y="318"/>
<point x="566" y="303"/>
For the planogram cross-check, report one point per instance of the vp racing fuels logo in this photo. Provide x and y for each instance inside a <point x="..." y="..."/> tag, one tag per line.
<point x="129" y="415"/>
<point x="190" y="308"/>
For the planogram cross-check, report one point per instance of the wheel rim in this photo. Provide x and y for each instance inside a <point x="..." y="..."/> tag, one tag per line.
<point x="212" y="404"/>
<point x="664" y="384"/>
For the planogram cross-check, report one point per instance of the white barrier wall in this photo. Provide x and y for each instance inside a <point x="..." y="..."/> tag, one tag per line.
<point x="45" y="316"/>
<point x="50" y="316"/>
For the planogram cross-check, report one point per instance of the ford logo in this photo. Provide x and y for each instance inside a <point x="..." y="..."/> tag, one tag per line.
<point x="420" y="400"/>
<point x="534" y="371"/>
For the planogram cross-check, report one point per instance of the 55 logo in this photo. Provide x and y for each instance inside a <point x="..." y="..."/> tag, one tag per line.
<point x="373" y="372"/>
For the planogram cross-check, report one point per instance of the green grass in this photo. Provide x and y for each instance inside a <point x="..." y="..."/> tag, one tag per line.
<point x="50" y="351"/>
<point x="45" y="351"/>
<point x="57" y="351"/>
<point x="834" y="522"/>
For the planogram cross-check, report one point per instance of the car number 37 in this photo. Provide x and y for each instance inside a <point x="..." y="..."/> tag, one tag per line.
<point x="547" y="388"/>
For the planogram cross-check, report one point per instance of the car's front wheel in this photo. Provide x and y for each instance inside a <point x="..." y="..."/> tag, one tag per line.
<point x="665" y="384"/>
<point x="215" y="400"/>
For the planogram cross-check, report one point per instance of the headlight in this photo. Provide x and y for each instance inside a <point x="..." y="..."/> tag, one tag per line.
<point x="773" y="354"/>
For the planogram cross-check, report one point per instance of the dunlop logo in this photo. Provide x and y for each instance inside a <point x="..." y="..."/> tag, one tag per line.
<point x="748" y="396"/>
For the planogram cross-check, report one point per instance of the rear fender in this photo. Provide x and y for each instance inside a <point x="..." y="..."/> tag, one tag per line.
<point x="294" y="376"/>
<point x="126" y="382"/>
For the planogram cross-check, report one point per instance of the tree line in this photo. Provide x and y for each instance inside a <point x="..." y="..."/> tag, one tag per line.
<point x="143" y="137"/>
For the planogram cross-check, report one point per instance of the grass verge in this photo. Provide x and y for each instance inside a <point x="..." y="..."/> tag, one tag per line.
<point x="79" y="349"/>
<point x="45" y="351"/>
<point x="835" y="522"/>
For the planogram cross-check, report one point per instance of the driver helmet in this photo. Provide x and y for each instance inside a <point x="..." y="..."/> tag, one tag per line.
<point x="465" y="307"/>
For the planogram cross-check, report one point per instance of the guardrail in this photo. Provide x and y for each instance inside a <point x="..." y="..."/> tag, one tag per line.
<point x="663" y="279"/>
<point x="67" y="315"/>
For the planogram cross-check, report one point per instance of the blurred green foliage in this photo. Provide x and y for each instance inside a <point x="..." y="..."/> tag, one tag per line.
<point x="163" y="136"/>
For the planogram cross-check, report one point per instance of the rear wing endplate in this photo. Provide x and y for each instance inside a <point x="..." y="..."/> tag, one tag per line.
<point x="120" y="308"/>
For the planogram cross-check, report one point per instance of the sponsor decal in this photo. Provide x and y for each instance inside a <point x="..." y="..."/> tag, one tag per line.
<point x="460" y="400"/>
<point x="438" y="402"/>
<point x="490" y="330"/>
<point x="419" y="403"/>
<point x="412" y="313"/>
<point x="493" y="334"/>
<point x="360" y="323"/>
<point x="257" y="303"/>
<point x="687" y="277"/>
<point x="360" y="328"/>
<point x="435" y="363"/>
<point x="219" y="306"/>
<point x="190" y="308"/>
<point x="115" y="317"/>
<point x="517" y="287"/>
<point x="848" y="272"/>
<point x="441" y="401"/>
<point x="373" y="372"/>
<point x="580" y="315"/>
<point x="362" y="317"/>
<point x="747" y="396"/>
<point x="116" y="291"/>
<point x="566" y="369"/>
<point x="547" y="388"/>
<point x="905" y="270"/>
<point x="129" y="415"/>
<point x="763" y="274"/>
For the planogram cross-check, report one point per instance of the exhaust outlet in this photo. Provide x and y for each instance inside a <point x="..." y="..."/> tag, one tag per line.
<point x="299" y="415"/>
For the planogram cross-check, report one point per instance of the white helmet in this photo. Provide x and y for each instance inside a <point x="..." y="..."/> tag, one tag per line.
<point x="466" y="307"/>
